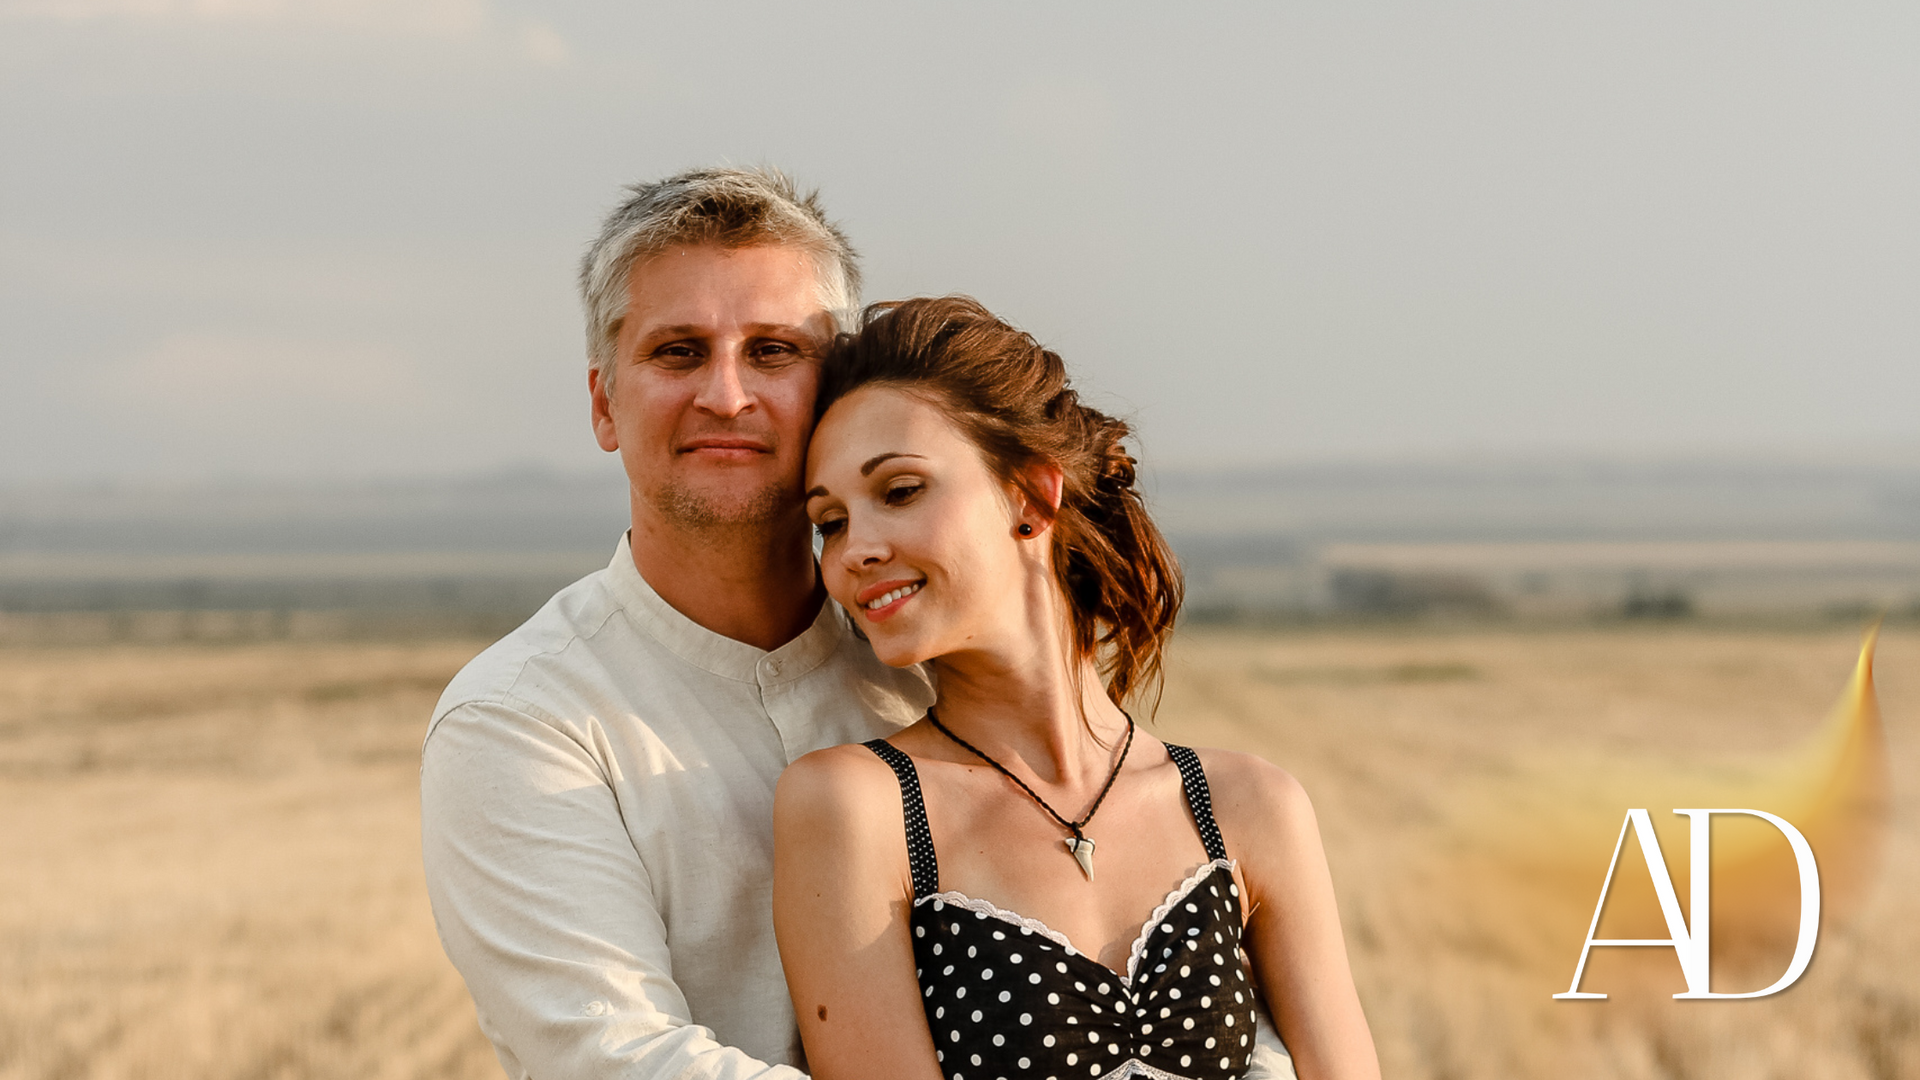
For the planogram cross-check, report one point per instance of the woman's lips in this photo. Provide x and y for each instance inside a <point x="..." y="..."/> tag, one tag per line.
<point x="881" y="601"/>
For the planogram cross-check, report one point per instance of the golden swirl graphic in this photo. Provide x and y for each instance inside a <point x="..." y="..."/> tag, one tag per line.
<point x="1552" y="843"/>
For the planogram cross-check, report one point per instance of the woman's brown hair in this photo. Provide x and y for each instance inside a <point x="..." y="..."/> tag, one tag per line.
<point x="1011" y="397"/>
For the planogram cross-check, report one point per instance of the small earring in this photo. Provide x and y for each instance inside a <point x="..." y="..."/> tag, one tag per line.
<point x="1026" y="529"/>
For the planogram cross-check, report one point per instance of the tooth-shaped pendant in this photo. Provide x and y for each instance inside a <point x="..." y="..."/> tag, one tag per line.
<point x="1082" y="850"/>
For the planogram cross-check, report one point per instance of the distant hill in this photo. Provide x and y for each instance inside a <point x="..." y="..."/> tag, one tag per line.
<point x="511" y="512"/>
<point x="1471" y="538"/>
<point x="1548" y="501"/>
<point x="539" y="511"/>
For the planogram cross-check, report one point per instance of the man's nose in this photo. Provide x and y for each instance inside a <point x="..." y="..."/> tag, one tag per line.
<point x="724" y="391"/>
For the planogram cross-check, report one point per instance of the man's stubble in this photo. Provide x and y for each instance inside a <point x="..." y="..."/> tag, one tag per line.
<point x="686" y="507"/>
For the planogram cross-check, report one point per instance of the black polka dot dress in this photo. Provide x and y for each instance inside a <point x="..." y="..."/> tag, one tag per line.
<point x="1007" y="998"/>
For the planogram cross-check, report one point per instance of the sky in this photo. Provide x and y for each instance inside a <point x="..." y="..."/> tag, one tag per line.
<point x="337" y="239"/>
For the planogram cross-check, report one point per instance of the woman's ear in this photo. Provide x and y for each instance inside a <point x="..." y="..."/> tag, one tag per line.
<point x="1042" y="486"/>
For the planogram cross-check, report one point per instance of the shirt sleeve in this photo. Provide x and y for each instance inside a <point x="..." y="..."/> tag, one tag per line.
<point x="545" y="907"/>
<point x="1271" y="1060"/>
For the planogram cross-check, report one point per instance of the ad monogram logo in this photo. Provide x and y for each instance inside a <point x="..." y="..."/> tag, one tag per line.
<point x="1689" y="941"/>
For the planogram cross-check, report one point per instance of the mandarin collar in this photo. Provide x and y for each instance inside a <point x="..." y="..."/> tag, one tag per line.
<point x="717" y="653"/>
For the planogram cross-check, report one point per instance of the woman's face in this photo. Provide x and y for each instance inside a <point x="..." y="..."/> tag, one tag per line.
<point x="919" y="537"/>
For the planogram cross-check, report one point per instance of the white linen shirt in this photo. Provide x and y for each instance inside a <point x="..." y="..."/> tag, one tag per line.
<point x="596" y="813"/>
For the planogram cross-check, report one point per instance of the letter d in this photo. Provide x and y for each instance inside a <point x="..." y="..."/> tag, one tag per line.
<point x="1809" y="898"/>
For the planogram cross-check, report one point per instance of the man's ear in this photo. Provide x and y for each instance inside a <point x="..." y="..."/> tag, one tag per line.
<point x="600" y="390"/>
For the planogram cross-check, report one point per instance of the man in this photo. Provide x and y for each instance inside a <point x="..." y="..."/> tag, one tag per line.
<point x="597" y="787"/>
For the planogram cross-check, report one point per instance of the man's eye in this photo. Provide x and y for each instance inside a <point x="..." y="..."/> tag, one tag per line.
<point x="901" y="493"/>
<point x="677" y="355"/>
<point x="830" y="527"/>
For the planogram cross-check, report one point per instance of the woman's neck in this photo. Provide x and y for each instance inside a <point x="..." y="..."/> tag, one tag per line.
<point x="1032" y="701"/>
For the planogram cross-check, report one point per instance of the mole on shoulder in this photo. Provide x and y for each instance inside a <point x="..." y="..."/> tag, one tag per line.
<point x="823" y="1012"/>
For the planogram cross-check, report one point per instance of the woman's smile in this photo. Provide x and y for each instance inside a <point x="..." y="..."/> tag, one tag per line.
<point x="884" y="600"/>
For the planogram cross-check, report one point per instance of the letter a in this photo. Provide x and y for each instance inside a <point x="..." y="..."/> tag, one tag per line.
<point x="1679" y="939"/>
<point x="1691" y="946"/>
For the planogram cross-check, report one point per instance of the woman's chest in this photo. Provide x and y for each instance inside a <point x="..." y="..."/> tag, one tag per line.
<point x="1008" y="850"/>
<point x="1007" y="996"/>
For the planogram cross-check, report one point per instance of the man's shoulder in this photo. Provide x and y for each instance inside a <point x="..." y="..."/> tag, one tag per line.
<point x="588" y="655"/>
<point x="526" y="670"/>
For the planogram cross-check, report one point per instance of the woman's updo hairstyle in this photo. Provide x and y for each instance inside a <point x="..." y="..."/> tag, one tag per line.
<point x="1010" y="396"/>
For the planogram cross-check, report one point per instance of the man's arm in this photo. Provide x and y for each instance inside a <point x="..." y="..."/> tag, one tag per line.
<point x="545" y="907"/>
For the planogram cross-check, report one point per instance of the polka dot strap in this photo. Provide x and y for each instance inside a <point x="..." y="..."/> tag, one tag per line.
<point x="920" y="857"/>
<point x="1199" y="799"/>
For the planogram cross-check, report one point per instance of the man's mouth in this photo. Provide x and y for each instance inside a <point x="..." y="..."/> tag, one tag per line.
<point x="724" y="446"/>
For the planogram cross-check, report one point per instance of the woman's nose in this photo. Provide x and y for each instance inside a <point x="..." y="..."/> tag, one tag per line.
<point x="864" y="546"/>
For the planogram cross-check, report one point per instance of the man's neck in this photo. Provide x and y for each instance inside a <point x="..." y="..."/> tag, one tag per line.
<point x="756" y="584"/>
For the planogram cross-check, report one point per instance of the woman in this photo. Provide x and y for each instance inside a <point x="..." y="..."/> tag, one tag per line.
<point x="967" y="898"/>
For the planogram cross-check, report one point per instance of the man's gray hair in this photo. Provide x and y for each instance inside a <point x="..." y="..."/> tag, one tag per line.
<point x="729" y="207"/>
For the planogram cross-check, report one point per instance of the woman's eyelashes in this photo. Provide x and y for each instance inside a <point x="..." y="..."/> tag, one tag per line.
<point x="896" y="494"/>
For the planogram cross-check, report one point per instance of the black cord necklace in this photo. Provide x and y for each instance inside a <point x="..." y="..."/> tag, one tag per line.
<point x="1078" y="845"/>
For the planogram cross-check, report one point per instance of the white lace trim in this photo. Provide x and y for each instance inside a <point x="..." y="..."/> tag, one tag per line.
<point x="1135" y="1067"/>
<point x="1160" y="914"/>
<point x="993" y="911"/>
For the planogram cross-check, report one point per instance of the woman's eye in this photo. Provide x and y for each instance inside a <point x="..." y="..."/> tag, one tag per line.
<point x="829" y="528"/>
<point x="900" y="493"/>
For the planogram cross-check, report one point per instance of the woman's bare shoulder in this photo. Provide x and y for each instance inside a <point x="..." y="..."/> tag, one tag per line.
<point x="840" y="786"/>
<point x="1250" y="792"/>
<point x="837" y="833"/>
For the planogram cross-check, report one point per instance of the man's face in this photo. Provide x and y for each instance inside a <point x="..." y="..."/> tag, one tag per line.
<point x="713" y="383"/>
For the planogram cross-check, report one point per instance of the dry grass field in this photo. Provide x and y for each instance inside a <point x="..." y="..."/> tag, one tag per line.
<point x="1470" y="788"/>
<point x="209" y="866"/>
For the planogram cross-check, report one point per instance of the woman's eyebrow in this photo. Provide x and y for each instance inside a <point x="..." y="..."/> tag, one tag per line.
<point x="866" y="469"/>
<point x="873" y="462"/>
